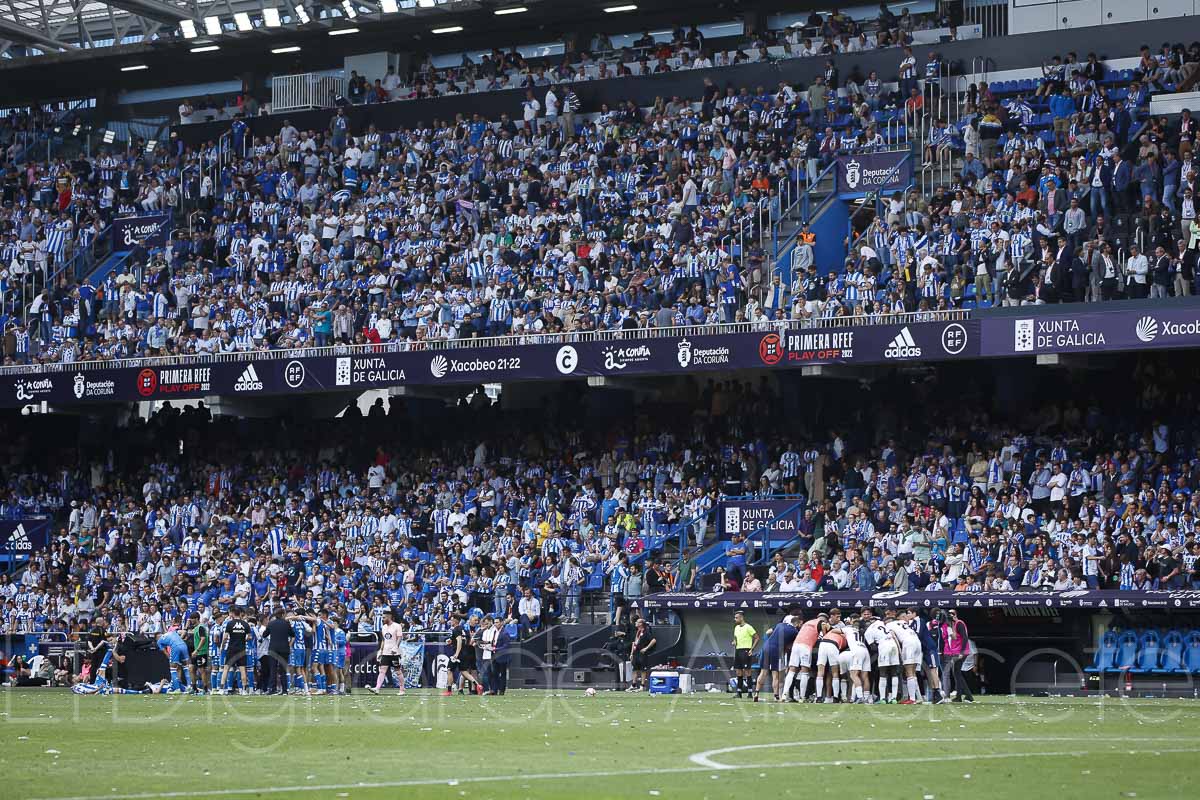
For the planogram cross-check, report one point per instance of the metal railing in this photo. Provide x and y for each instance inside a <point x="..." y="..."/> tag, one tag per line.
<point x="990" y="15"/>
<point x="895" y="132"/>
<point x="804" y="208"/>
<point x="404" y="346"/>
<point x="306" y="91"/>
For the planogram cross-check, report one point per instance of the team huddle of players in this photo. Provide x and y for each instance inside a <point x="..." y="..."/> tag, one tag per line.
<point x="857" y="659"/>
<point x="228" y="657"/>
<point x="234" y="653"/>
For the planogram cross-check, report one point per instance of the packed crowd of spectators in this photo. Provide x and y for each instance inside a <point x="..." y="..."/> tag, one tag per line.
<point x="556" y="221"/>
<point x="185" y="513"/>
<point x="1052" y="200"/>
<point x="827" y="34"/>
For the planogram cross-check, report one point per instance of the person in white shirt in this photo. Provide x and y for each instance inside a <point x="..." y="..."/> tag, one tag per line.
<point x="551" y="104"/>
<point x="1136" y="270"/>
<point x="185" y="112"/>
<point x="1058" y="485"/>
<point x="530" y="107"/>
<point x="375" y="475"/>
<point x="390" y="83"/>
<point x="391" y="634"/>
<point x="529" y="612"/>
<point x="487" y="649"/>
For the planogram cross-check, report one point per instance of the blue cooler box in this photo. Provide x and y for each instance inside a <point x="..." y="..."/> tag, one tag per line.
<point x="664" y="682"/>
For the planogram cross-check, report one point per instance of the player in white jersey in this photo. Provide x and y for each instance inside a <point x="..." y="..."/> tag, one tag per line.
<point x="829" y="650"/>
<point x="910" y="656"/>
<point x="855" y="663"/>
<point x="887" y="654"/>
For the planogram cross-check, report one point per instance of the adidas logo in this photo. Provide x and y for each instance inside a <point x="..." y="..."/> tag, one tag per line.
<point x="19" y="540"/>
<point x="248" y="381"/>
<point x="902" y="346"/>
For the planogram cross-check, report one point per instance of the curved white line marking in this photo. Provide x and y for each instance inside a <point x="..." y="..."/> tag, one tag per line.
<point x="559" y="776"/>
<point x="706" y="758"/>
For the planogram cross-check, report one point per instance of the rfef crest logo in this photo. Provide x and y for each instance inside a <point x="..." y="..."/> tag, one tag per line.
<point x="770" y="349"/>
<point x="147" y="382"/>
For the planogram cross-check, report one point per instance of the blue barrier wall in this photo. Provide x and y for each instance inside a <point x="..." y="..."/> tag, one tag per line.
<point x="830" y="228"/>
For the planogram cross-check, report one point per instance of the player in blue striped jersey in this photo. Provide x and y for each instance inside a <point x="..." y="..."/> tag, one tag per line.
<point x="618" y="574"/>
<point x="323" y="678"/>
<point x="298" y="655"/>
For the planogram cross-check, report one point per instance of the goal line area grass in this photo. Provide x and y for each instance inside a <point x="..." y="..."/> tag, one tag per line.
<point x="543" y="744"/>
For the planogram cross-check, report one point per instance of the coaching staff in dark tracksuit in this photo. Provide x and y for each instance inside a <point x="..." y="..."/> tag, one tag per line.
<point x="278" y="650"/>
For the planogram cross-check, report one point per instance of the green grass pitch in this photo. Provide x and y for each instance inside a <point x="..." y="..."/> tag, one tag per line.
<point x="536" y="744"/>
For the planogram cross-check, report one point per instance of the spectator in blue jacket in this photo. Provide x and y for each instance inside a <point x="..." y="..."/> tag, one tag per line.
<point x="1062" y="106"/>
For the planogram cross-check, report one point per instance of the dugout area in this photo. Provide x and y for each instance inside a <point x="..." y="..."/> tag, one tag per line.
<point x="1025" y="650"/>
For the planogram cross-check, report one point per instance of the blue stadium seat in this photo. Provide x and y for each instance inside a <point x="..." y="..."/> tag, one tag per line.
<point x="595" y="580"/>
<point x="1172" y="652"/>
<point x="1106" y="655"/>
<point x="1127" y="650"/>
<point x="1149" y="653"/>
<point x="1191" y="652"/>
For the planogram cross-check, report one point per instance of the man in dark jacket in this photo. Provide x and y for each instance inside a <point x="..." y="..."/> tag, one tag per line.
<point x="1160" y="274"/>
<point x="1100" y="181"/>
<point x="1187" y="269"/>
<point x="278" y="634"/>
<point x="501" y="657"/>
<point x="1122" y="177"/>
<point x="1080" y="273"/>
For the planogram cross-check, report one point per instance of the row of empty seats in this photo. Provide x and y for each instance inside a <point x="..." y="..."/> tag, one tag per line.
<point x="1148" y="651"/>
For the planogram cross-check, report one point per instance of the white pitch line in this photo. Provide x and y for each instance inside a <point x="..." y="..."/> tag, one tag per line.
<point x="550" y="776"/>
<point x="705" y="759"/>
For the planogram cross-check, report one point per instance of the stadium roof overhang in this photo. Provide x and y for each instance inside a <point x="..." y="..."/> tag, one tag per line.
<point x="59" y="49"/>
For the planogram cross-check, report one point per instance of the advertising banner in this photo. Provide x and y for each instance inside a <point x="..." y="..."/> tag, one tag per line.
<point x="1093" y="331"/>
<point x="874" y="172"/>
<point x="21" y="537"/>
<point x="363" y="664"/>
<point x="780" y="517"/>
<point x="153" y="228"/>
<point x="381" y="367"/>
<point x="1082" y="598"/>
